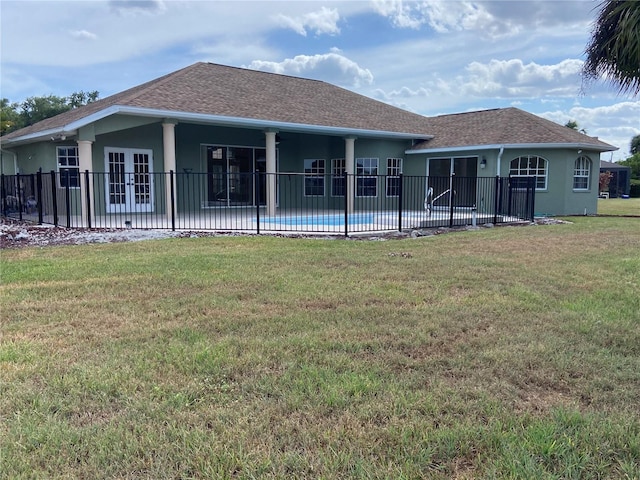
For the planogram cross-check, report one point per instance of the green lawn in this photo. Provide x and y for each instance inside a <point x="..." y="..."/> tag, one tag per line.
<point x="511" y="352"/>
<point x="619" y="206"/>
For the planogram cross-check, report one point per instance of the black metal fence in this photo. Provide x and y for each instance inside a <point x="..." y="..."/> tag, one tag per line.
<point x="341" y="204"/>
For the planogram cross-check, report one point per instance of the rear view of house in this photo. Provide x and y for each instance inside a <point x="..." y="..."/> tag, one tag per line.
<point x="209" y="139"/>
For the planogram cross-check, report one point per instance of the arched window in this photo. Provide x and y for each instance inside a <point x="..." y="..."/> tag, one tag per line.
<point x="530" y="166"/>
<point x="582" y="173"/>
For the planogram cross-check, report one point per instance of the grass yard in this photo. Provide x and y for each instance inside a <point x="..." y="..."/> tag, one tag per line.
<point x="619" y="206"/>
<point x="511" y="352"/>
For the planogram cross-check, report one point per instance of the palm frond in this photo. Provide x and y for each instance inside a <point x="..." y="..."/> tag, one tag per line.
<point x="613" y="52"/>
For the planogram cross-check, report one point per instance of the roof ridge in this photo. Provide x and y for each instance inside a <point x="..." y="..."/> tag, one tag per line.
<point x="253" y="70"/>
<point x="142" y="89"/>
<point x="470" y="112"/>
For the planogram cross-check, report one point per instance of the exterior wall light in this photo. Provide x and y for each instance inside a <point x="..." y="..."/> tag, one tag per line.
<point x="483" y="163"/>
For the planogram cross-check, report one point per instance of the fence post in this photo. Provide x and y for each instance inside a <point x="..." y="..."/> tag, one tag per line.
<point x="346" y="204"/>
<point x="173" y="204"/>
<point x="533" y="197"/>
<point x="3" y="196"/>
<point x="509" y="196"/>
<point x="451" y="199"/>
<point x="257" y="180"/>
<point x="67" y="195"/>
<point x="54" y="198"/>
<point x="88" y="197"/>
<point x="496" y="196"/>
<point x="19" y="194"/>
<point x="400" y="189"/>
<point x="39" y="196"/>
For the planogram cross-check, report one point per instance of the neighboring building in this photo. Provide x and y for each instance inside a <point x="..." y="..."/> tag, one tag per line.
<point x="220" y="121"/>
<point x="620" y="183"/>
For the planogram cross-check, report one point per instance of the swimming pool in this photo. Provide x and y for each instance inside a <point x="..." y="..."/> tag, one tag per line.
<point x="333" y="220"/>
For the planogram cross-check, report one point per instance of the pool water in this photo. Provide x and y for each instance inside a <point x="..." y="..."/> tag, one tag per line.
<point x="326" y="220"/>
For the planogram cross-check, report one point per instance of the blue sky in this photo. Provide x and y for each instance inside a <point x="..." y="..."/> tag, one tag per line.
<point x="431" y="57"/>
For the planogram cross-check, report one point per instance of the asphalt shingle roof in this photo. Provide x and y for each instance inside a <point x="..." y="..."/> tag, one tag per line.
<point x="613" y="165"/>
<point x="211" y="89"/>
<point x="504" y="126"/>
<point x="223" y="91"/>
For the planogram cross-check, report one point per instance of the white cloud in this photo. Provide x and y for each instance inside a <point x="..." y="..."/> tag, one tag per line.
<point x="487" y="19"/>
<point x="401" y="14"/>
<point x="615" y="124"/>
<point x="323" y="21"/>
<point x="445" y="16"/>
<point x="514" y="78"/>
<point x="497" y="79"/>
<point x="330" y="67"/>
<point x="83" y="35"/>
<point x="135" y="7"/>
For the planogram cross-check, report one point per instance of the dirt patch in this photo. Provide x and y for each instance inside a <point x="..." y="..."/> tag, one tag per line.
<point x="21" y="234"/>
<point x="14" y="234"/>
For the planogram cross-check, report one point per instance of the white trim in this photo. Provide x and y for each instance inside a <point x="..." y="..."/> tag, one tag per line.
<point x="529" y="172"/>
<point x="388" y="176"/>
<point x="70" y="128"/>
<point x="129" y="206"/>
<point x="589" y="171"/>
<point x="43" y="135"/>
<point x="67" y="167"/>
<point x="358" y="177"/>
<point x="313" y="175"/>
<point x="499" y="160"/>
<point x="334" y="176"/>
<point x="476" y="148"/>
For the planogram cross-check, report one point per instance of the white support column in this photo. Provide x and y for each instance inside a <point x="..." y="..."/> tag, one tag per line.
<point x="85" y="162"/>
<point x="350" y="168"/>
<point x="270" y="139"/>
<point x="169" y="147"/>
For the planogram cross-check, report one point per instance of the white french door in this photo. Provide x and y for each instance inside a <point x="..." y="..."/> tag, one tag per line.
<point x="129" y="180"/>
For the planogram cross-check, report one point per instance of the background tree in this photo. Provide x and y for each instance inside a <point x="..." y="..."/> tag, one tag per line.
<point x="34" y="109"/>
<point x="634" y="146"/>
<point x="9" y="117"/>
<point x="634" y="162"/>
<point x="614" y="49"/>
<point x="573" y="125"/>
<point x="14" y="116"/>
<point x="78" y="99"/>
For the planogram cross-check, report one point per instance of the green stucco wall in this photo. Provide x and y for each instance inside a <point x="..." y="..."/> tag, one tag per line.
<point x="559" y="198"/>
<point x="119" y="131"/>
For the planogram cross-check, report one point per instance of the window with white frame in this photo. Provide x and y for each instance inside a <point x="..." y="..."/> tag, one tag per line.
<point x="314" y="177"/>
<point x="394" y="169"/>
<point x="582" y="173"/>
<point x="530" y="166"/>
<point x="337" y="177"/>
<point x="366" y="177"/>
<point x="68" y="167"/>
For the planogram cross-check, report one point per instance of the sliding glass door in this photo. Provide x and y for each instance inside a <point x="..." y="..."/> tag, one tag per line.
<point x="231" y="175"/>
<point x="453" y="180"/>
